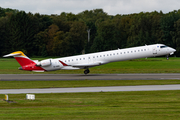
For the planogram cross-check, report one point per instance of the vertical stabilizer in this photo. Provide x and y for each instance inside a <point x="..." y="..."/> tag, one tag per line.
<point x="20" y="57"/>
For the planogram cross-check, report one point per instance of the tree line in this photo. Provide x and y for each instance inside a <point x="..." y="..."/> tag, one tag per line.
<point x="66" y="34"/>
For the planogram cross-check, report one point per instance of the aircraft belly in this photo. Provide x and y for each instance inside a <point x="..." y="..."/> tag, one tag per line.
<point x="70" y="68"/>
<point x="51" y="68"/>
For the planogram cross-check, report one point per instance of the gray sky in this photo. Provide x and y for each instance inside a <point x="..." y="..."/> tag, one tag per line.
<point x="112" y="7"/>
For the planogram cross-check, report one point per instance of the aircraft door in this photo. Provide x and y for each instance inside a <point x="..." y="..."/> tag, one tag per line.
<point x="167" y="50"/>
<point x="154" y="50"/>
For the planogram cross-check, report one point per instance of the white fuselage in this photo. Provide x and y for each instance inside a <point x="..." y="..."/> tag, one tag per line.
<point x="94" y="59"/>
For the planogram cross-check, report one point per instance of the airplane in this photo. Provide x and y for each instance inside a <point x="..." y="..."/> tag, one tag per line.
<point x="87" y="61"/>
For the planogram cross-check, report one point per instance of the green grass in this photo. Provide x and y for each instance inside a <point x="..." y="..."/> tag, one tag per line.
<point x="146" y="105"/>
<point x="140" y="105"/>
<point x="81" y="83"/>
<point x="149" y="65"/>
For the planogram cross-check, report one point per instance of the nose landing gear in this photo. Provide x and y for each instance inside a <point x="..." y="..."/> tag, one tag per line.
<point x="167" y="57"/>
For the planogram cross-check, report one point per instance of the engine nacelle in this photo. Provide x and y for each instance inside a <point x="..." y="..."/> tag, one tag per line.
<point x="44" y="63"/>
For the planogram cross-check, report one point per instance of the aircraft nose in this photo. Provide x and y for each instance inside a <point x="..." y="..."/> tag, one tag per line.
<point x="172" y="50"/>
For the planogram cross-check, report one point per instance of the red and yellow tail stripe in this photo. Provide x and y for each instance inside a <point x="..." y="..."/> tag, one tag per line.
<point x="21" y="58"/>
<point x="25" y="62"/>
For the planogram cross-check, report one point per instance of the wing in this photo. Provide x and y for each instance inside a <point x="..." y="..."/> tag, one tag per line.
<point x="84" y="65"/>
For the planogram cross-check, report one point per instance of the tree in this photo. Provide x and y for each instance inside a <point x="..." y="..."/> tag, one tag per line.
<point x="176" y="37"/>
<point x="77" y="37"/>
<point x="2" y="12"/>
<point x="21" y="29"/>
<point x="107" y="37"/>
<point x="3" y="24"/>
<point x="92" y="20"/>
<point x="51" y="32"/>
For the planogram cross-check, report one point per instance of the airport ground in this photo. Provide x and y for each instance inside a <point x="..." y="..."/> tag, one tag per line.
<point x="141" y="105"/>
<point x="163" y="104"/>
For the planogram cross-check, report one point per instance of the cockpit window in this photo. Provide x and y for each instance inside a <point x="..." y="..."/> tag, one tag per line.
<point x="163" y="46"/>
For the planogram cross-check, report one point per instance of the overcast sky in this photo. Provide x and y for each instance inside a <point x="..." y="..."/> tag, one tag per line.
<point x="112" y="7"/>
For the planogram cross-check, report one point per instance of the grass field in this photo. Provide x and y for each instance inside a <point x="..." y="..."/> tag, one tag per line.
<point x="81" y="83"/>
<point x="140" y="105"/>
<point x="149" y="105"/>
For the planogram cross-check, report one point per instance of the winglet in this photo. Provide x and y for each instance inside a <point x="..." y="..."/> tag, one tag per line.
<point x="64" y="64"/>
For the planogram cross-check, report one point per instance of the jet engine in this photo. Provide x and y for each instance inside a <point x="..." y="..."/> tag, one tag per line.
<point x="44" y="63"/>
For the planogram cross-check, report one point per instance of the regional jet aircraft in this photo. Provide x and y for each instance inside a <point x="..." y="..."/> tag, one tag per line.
<point x="87" y="61"/>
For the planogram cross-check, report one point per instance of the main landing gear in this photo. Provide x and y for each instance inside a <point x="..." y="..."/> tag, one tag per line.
<point x="86" y="71"/>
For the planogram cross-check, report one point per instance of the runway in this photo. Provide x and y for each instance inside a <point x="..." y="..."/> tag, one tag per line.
<point x="25" y="77"/>
<point x="93" y="89"/>
<point x="42" y="77"/>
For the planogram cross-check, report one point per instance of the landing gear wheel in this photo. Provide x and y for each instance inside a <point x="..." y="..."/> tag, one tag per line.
<point x="86" y="71"/>
<point x="167" y="57"/>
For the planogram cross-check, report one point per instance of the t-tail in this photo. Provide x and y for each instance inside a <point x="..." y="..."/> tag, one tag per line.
<point x="21" y="58"/>
<point x="25" y="62"/>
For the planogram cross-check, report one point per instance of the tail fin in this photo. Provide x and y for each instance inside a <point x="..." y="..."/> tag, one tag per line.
<point x="20" y="57"/>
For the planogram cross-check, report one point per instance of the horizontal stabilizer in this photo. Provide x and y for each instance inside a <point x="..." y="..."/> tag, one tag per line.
<point x="16" y="54"/>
